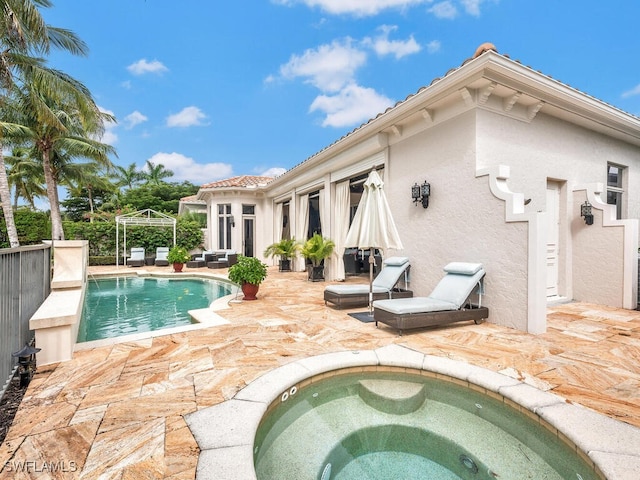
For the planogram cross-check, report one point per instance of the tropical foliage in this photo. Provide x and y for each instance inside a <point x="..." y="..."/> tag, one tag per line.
<point x="50" y="130"/>
<point x="317" y="248"/>
<point x="24" y="39"/>
<point x="285" y="249"/>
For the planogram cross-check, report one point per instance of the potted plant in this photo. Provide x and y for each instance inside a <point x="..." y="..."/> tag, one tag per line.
<point x="248" y="272"/>
<point x="178" y="256"/>
<point x="316" y="249"/>
<point x="285" y="249"/>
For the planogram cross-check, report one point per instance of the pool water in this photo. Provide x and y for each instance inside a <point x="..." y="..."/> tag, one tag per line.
<point x="381" y="425"/>
<point x="125" y="305"/>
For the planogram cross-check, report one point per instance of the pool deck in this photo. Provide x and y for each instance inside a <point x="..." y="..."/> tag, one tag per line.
<point x="117" y="411"/>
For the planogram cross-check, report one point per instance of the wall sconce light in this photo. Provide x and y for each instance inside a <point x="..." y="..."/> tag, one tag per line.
<point x="232" y="221"/>
<point x="420" y="193"/>
<point x="26" y="363"/>
<point x="585" y="212"/>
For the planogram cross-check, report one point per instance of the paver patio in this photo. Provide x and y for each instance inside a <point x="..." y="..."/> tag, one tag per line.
<point x="116" y="412"/>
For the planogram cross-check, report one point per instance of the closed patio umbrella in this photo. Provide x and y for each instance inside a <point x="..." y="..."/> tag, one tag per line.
<point x="373" y="226"/>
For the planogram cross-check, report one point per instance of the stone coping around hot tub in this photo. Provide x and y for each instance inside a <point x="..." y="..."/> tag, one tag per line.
<point x="225" y="432"/>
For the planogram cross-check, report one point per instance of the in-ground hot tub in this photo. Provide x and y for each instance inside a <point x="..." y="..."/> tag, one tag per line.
<point x="389" y="424"/>
<point x="484" y="404"/>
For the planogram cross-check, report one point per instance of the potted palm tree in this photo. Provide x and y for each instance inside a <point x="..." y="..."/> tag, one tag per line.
<point x="249" y="273"/>
<point x="285" y="249"/>
<point x="316" y="249"/>
<point x="178" y="256"/>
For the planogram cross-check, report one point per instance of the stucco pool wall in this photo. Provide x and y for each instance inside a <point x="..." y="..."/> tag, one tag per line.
<point x="226" y="432"/>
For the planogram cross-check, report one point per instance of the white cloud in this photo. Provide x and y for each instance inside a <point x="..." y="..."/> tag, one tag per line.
<point x="273" y="172"/>
<point x="109" y="136"/>
<point x="383" y="46"/>
<point x="352" y="105"/>
<point x="360" y="8"/>
<point x="631" y="93"/>
<point x="187" y="169"/>
<point x="134" y="118"/>
<point x="434" y="46"/>
<point x="472" y="7"/>
<point x="143" y="66"/>
<point x="444" y="9"/>
<point x="187" y="117"/>
<point x="328" y="67"/>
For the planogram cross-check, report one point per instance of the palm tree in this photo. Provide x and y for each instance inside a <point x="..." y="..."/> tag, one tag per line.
<point x="83" y="179"/>
<point x="155" y="173"/>
<point x="23" y="33"/>
<point x="25" y="177"/>
<point x="67" y="134"/>
<point x="128" y="177"/>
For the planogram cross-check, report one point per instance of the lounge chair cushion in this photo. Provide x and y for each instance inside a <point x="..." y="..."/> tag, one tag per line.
<point x="396" y="261"/>
<point x="404" y="306"/>
<point x="354" y="289"/>
<point x="463" y="268"/>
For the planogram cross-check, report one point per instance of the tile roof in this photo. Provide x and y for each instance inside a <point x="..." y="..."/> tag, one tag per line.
<point x="239" y="181"/>
<point x="483" y="48"/>
<point x="191" y="198"/>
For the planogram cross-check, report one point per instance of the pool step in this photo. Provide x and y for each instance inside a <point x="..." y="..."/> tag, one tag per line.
<point x="392" y="396"/>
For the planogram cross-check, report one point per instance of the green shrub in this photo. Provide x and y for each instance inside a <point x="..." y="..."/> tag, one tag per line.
<point x="247" y="270"/>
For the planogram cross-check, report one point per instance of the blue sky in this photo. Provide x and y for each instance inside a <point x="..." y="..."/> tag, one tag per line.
<point x="214" y="89"/>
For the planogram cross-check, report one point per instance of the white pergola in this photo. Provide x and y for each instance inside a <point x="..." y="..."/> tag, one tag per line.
<point x="145" y="217"/>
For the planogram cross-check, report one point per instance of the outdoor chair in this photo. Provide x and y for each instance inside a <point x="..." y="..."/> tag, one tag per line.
<point x="224" y="259"/>
<point x="449" y="302"/>
<point x="137" y="257"/>
<point x="384" y="286"/>
<point x="161" y="257"/>
<point x="200" y="259"/>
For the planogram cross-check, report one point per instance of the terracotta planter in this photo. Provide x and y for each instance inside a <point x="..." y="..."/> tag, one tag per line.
<point x="177" y="267"/>
<point x="249" y="290"/>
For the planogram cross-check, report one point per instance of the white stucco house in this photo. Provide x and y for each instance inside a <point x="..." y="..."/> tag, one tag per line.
<point x="510" y="154"/>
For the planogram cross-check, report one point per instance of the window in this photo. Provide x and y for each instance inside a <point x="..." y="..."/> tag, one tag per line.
<point x="314" y="214"/>
<point x="614" y="187"/>
<point x="225" y="222"/>
<point x="248" y="209"/>
<point x="286" y="230"/>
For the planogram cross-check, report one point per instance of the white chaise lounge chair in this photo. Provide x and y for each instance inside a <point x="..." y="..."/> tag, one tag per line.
<point x="384" y="286"/>
<point x="449" y="302"/>
<point x="137" y="257"/>
<point x="161" y="257"/>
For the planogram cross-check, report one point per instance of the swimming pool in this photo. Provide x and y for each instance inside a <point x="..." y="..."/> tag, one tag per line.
<point x="120" y="306"/>
<point x="389" y="425"/>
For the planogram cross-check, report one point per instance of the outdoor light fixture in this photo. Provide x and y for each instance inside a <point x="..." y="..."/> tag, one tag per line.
<point x="420" y="193"/>
<point x="232" y="221"/>
<point x="585" y="212"/>
<point x="26" y="363"/>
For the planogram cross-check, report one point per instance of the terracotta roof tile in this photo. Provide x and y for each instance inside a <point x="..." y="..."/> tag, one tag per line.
<point x="483" y="48"/>
<point x="191" y="198"/>
<point x="239" y="181"/>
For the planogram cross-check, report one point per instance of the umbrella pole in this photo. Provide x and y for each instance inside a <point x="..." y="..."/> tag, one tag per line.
<point x="371" y="262"/>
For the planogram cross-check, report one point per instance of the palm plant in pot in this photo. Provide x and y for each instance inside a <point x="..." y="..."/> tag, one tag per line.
<point x="285" y="249"/>
<point x="249" y="273"/>
<point x="316" y="250"/>
<point x="178" y="256"/>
